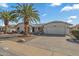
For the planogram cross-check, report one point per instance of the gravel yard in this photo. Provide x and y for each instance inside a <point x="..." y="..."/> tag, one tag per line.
<point x="15" y="37"/>
<point x="39" y="45"/>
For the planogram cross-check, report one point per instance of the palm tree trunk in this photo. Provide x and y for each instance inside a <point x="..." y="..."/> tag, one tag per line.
<point x="6" y="26"/>
<point x="26" y="27"/>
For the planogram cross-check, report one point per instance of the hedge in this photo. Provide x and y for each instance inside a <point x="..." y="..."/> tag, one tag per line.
<point x="75" y="33"/>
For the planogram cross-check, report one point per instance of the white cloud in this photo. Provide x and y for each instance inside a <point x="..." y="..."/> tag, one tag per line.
<point x="55" y="4"/>
<point x="73" y="7"/>
<point x="4" y="5"/>
<point x="69" y="21"/>
<point x="66" y="8"/>
<point x="44" y="14"/>
<point x="71" y="18"/>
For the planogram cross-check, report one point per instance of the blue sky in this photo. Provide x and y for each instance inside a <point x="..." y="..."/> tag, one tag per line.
<point x="68" y="12"/>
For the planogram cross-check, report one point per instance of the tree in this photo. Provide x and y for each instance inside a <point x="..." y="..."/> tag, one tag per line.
<point x="27" y="13"/>
<point x="7" y="16"/>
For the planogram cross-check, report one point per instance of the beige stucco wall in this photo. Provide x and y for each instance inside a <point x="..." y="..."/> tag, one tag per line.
<point x="21" y="27"/>
<point x="56" y="28"/>
<point x="51" y="28"/>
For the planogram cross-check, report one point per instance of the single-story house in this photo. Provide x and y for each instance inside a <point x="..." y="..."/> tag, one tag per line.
<point x="20" y="27"/>
<point x="54" y="27"/>
<point x="11" y="28"/>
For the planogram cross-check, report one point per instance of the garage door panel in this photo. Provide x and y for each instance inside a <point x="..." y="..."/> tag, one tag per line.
<point x="55" y="30"/>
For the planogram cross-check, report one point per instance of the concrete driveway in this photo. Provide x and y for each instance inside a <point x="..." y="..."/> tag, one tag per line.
<point x="57" y="45"/>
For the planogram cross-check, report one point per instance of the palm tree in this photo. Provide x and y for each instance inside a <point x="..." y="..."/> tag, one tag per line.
<point x="7" y="16"/>
<point x="27" y="13"/>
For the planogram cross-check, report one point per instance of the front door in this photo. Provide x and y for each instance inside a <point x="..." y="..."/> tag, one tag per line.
<point x="33" y="29"/>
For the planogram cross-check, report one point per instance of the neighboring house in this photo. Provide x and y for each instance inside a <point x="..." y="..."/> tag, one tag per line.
<point x="55" y="28"/>
<point x="1" y="28"/>
<point x="76" y="27"/>
<point x="10" y="28"/>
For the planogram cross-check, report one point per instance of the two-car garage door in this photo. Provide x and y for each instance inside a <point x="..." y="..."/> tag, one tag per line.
<point x="55" y="30"/>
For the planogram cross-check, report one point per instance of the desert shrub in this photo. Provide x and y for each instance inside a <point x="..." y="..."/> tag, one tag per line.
<point x="75" y="33"/>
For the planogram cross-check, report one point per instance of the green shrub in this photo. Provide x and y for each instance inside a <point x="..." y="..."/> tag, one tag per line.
<point x="75" y="33"/>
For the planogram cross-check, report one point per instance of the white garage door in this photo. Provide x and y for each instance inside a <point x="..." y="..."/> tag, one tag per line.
<point x="55" y="30"/>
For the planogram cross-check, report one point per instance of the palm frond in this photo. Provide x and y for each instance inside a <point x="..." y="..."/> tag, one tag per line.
<point x="26" y="10"/>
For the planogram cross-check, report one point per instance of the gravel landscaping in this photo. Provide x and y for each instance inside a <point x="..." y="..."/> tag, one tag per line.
<point x="16" y="38"/>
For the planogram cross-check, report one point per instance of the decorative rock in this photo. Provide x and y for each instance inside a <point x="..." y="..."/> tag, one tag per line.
<point x="21" y="40"/>
<point x="5" y="48"/>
